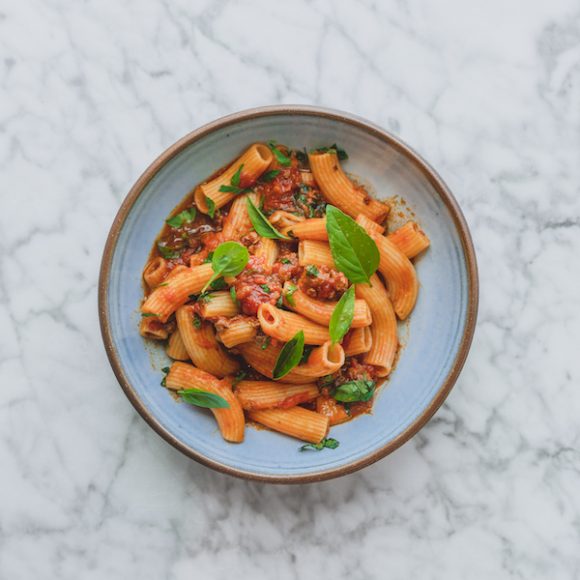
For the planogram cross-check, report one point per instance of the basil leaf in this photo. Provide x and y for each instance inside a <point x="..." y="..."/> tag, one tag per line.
<point x="239" y="377"/>
<point x="165" y="371"/>
<point x="335" y="149"/>
<point x="167" y="253"/>
<point x="228" y="259"/>
<point x="306" y="355"/>
<point x="219" y="284"/>
<point x="265" y="288"/>
<point x="201" y="398"/>
<point x="342" y="316"/>
<point x="280" y="157"/>
<point x="291" y="289"/>
<point x="261" y="223"/>
<point x="270" y="175"/>
<point x="184" y="217"/>
<point x="235" y="181"/>
<point x="196" y="321"/>
<point x="266" y="343"/>
<point x="148" y="314"/>
<point x="326" y="443"/>
<point x="289" y="356"/>
<point x="353" y="250"/>
<point x="312" y="271"/>
<point x="353" y="391"/>
<point x="210" y="207"/>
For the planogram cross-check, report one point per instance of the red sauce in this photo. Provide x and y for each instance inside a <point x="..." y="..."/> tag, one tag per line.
<point x="279" y="193"/>
<point x="323" y="283"/>
<point x="255" y="286"/>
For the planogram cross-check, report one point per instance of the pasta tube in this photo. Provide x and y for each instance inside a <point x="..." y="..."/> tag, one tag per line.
<point x="268" y="394"/>
<point x="296" y="422"/>
<point x="283" y="325"/>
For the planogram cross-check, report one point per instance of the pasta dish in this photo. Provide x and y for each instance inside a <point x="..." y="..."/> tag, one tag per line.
<point x="277" y="289"/>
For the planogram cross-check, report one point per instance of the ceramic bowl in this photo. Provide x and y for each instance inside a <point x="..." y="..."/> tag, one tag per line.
<point x="437" y="337"/>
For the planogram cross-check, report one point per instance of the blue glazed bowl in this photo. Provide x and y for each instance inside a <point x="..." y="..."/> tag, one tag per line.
<point x="436" y="341"/>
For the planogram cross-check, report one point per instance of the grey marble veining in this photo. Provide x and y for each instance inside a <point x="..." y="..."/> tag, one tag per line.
<point x="488" y="91"/>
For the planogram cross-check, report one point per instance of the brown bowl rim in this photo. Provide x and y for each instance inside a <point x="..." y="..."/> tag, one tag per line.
<point x="275" y="110"/>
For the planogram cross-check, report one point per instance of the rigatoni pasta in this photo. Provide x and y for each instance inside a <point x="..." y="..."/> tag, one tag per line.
<point x="271" y="310"/>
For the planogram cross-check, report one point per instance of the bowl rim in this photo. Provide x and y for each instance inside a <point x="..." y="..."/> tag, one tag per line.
<point x="277" y="110"/>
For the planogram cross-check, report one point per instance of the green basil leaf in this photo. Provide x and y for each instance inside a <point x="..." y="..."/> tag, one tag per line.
<point x="167" y="253"/>
<point x="234" y="296"/>
<point x="239" y="377"/>
<point x="280" y="157"/>
<point x="230" y="189"/>
<point x="228" y="259"/>
<point x="266" y="343"/>
<point x="353" y="250"/>
<point x="270" y="175"/>
<point x="196" y="321"/>
<point x="326" y="443"/>
<point x="289" y="356"/>
<point x="265" y="288"/>
<point x="306" y="355"/>
<point x="219" y="284"/>
<point x="361" y="390"/>
<point x="210" y="207"/>
<point x="148" y="314"/>
<point x="291" y="289"/>
<point x="201" y="398"/>
<point x="312" y="271"/>
<point x="335" y="149"/>
<point x="184" y="217"/>
<point x="235" y="181"/>
<point x="342" y="316"/>
<point x="261" y="223"/>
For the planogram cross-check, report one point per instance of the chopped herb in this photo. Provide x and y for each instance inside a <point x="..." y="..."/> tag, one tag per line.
<point x="239" y="377"/>
<point x="291" y="289"/>
<point x="204" y="297"/>
<point x="167" y="253"/>
<point x="269" y="175"/>
<point x="289" y="356"/>
<point x="219" y="284"/>
<point x="165" y="371"/>
<point x="280" y="302"/>
<point x="209" y="258"/>
<point x="334" y="148"/>
<point x="280" y="157"/>
<point x="196" y="321"/>
<point x="312" y="271"/>
<point x="148" y="314"/>
<point x="285" y="261"/>
<point x="237" y="175"/>
<point x="326" y="381"/>
<point x="210" y="206"/>
<point x="184" y="217"/>
<point x="361" y="390"/>
<point x="302" y="156"/>
<point x="266" y="343"/>
<point x="307" y="350"/>
<point x="162" y="284"/>
<point x="265" y="288"/>
<point x="326" y="443"/>
<point x="201" y="398"/>
<point x="234" y="296"/>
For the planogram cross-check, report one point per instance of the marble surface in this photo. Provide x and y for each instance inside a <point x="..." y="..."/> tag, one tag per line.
<point x="488" y="91"/>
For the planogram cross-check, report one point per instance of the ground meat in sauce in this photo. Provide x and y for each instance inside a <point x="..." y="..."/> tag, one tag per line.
<point x="257" y="285"/>
<point x="327" y="284"/>
<point x="354" y="370"/>
<point x="279" y="193"/>
<point x="287" y="266"/>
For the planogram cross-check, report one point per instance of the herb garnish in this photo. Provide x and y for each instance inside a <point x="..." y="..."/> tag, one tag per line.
<point x="312" y="271"/>
<point x="289" y="356"/>
<point x="229" y="259"/>
<point x="326" y="443"/>
<point x="239" y="377"/>
<point x="196" y="321"/>
<point x="184" y="217"/>
<point x="361" y="390"/>
<point x="266" y="343"/>
<point x="208" y="259"/>
<point x="353" y="250"/>
<point x="265" y="288"/>
<point x="280" y="157"/>
<point x="234" y="186"/>
<point x="270" y="175"/>
<point x="148" y="314"/>
<point x="219" y="284"/>
<point x="165" y="371"/>
<point x="334" y="148"/>
<point x="261" y="223"/>
<point x="210" y="206"/>
<point x="167" y="253"/>
<point x="285" y="261"/>
<point x="201" y="398"/>
<point x="291" y="289"/>
<point x="234" y="296"/>
<point x="342" y="316"/>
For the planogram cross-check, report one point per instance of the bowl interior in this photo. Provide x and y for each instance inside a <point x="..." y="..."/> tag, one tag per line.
<point x="432" y="338"/>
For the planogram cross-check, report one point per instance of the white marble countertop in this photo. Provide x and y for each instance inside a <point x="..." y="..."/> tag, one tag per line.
<point x="488" y="91"/>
